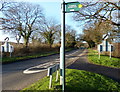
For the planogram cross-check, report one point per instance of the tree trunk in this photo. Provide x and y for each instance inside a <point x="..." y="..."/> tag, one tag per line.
<point x="91" y="44"/>
<point x="26" y="42"/>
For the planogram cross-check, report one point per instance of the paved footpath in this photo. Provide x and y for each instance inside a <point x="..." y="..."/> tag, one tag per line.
<point x="83" y="64"/>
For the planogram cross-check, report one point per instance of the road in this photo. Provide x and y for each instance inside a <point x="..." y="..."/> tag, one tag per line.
<point x="18" y="75"/>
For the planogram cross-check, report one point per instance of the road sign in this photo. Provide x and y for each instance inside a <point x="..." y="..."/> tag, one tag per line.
<point x="6" y="47"/>
<point x="73" y="6"/>
<point x="105" y="46"/>
<point x="51" y="70"/>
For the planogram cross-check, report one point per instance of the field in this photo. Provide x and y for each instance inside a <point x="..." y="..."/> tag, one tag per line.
<point x="77" y="81"/>
<point x="104" y="60"/>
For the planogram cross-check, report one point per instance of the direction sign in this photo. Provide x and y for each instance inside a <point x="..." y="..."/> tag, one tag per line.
<point x="73" y="6"/>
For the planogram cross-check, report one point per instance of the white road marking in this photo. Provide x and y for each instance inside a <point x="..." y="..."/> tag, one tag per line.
<point x="71" y="53"/>
<point x="43" y="67"/>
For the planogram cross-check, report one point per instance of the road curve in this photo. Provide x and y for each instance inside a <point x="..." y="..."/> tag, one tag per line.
<point x="14" y="78"/>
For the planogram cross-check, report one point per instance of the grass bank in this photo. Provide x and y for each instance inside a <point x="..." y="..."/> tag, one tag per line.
<point x="104" y="60"/>
<point x="20" y="58"/>
<point x="77" y="81"/>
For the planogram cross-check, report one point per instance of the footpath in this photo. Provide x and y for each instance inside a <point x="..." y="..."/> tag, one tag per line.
<point x="83" y="64"/>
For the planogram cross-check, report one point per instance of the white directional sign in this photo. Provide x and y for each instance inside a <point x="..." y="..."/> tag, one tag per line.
<point x="105" y="46"/>
<point x="7" y="47"/>
<point x="51" y="70"/>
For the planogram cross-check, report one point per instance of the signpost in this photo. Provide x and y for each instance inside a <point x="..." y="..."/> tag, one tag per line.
<point x="73" y="7"/>
<point x="66" y="8"/>
<point x="6" y="47"/>
<point x="51" y="70"/>
<point x="105" y="46"/>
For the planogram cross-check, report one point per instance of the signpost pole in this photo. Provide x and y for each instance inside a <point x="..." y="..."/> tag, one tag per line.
<point x="1" y="55"/>
<point x="110" y="51"/>
<point x="50" y="83"/>
<point x="57" y="75"/>
<point x="99" y="54"/>
<point x="62" y="54"/>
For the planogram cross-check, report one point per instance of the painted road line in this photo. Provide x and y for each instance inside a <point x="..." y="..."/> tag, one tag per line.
<point x="39" y="68"/>
<point x="43" y="67"/>
<point x="74" y="59"/>
<point x="71" y="53"/>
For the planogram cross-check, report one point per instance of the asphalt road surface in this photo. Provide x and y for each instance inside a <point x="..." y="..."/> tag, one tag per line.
<point x="18" y="75"/>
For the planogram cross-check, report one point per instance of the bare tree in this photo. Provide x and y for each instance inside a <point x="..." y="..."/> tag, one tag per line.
<point x="99" y="11"/>
<point x="22" y="18"/>
<point x="4" y="4"/>
<point x="93" y="35"/>
<point x="48" y="31"/>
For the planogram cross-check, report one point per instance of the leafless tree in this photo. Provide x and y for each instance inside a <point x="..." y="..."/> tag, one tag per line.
<point x="22" y="18"/>
<point x="4" y="4"/>
<point x="99" y="11"/>
<point x="48" y="30"/>
<point x="93" y="35"/>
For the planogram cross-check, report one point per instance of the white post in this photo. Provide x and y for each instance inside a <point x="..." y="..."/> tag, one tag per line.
<point x="99" y="54"/>
<point x="57" y="75"/>
<point x="61" y="78"/>
<point x="110" y="54"/>
<point x="110" y="47"/>
<point x="1" y="56"/>
<point x="62" y="53"/>
<point x="50" y="83"/>
<point x="10" y="54"/>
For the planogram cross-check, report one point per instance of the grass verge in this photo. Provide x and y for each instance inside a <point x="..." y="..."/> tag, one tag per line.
<point x="104" y="60"/>
<point x="77" y="81"/>
<point x="15" y="59"/>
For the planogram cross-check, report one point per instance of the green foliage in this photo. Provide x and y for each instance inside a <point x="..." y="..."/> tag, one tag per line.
<point x="78" y="81"/>
<point x="104" y="60"/>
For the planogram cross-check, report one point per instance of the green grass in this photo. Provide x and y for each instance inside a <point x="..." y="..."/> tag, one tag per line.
<point x="78" y="81"/>
<point x="14" y="59"/>
<point x="42" y="85"/>
<point x="104" y="60"/>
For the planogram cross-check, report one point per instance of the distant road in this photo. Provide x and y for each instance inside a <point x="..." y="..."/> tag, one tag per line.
<point x="18" y="75"/>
